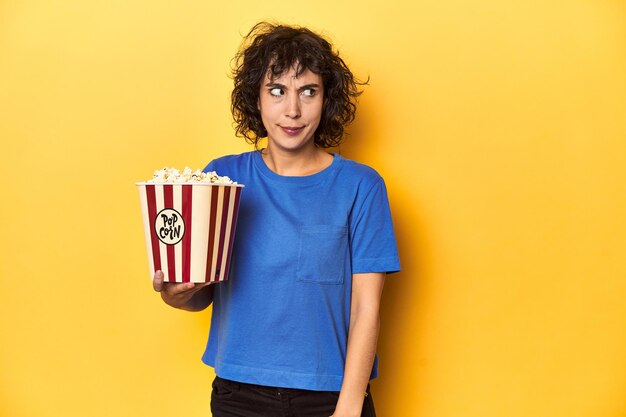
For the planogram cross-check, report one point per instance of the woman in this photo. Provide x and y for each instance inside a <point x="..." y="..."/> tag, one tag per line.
<point x="294" y="330"/>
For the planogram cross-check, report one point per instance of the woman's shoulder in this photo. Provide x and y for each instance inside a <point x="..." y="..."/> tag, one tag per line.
<point x="229" y="161"/>
<point x="359" y="171"/>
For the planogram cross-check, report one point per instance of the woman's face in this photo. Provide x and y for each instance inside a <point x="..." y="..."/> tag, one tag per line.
<point x="291" y="109"/>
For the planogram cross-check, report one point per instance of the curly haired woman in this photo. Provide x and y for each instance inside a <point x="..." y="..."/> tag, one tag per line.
<point x="294" y="330"/>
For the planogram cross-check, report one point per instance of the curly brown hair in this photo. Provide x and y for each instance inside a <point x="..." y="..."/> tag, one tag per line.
<point x="274" y="49"/>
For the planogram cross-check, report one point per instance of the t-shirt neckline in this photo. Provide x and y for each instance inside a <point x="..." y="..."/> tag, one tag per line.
<point x="304" y="180"/>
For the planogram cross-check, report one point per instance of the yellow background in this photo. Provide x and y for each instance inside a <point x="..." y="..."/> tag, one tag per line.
<point x="499" y="126"/>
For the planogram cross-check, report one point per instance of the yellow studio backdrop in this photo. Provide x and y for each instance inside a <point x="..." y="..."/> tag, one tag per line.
<point x="499" y="127"/>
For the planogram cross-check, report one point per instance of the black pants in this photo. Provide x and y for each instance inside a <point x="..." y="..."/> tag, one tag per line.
<point x="236" y="399"/>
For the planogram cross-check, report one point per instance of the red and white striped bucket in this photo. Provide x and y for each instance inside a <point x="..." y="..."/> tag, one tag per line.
<point x="189" y="229"/>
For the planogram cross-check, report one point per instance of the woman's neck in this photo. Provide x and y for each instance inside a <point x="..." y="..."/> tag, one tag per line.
<point x="296" y="164"/>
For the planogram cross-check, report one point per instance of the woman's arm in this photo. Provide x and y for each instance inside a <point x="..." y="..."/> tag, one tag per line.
<point x="362" y="338"/>
<point x="186" y="296"/>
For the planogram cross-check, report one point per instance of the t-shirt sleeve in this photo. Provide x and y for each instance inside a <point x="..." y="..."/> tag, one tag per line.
<point x="373" y="242"/>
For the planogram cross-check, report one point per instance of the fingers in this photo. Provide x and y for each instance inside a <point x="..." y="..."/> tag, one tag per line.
<point x="175" y="288"/>
<point x="157" y="281"/>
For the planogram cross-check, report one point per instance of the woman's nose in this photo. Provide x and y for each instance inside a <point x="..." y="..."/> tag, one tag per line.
<point x="293" y="107"/>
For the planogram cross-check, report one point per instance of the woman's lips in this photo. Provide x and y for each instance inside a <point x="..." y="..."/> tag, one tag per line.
<point x="291" y="131"/>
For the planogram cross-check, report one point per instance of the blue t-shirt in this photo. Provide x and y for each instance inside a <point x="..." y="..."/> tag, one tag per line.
<point x="282" y="317"/>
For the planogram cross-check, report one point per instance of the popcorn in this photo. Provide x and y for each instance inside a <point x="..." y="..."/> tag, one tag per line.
<point x="189" y="221"/>
<point x="174" y="176"/>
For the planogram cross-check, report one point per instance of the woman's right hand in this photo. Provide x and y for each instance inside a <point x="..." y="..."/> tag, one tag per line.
<point x="184" y="295"/>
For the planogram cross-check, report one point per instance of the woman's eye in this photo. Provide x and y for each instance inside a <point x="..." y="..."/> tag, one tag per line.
<point x="276" y="91"/>
<point x="309" y="92"/>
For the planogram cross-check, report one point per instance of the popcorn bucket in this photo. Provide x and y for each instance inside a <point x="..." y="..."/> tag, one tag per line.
<point x="189" y="229"/>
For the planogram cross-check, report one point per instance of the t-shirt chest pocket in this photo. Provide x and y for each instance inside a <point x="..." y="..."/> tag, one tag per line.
<point x="322" y="254"/>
